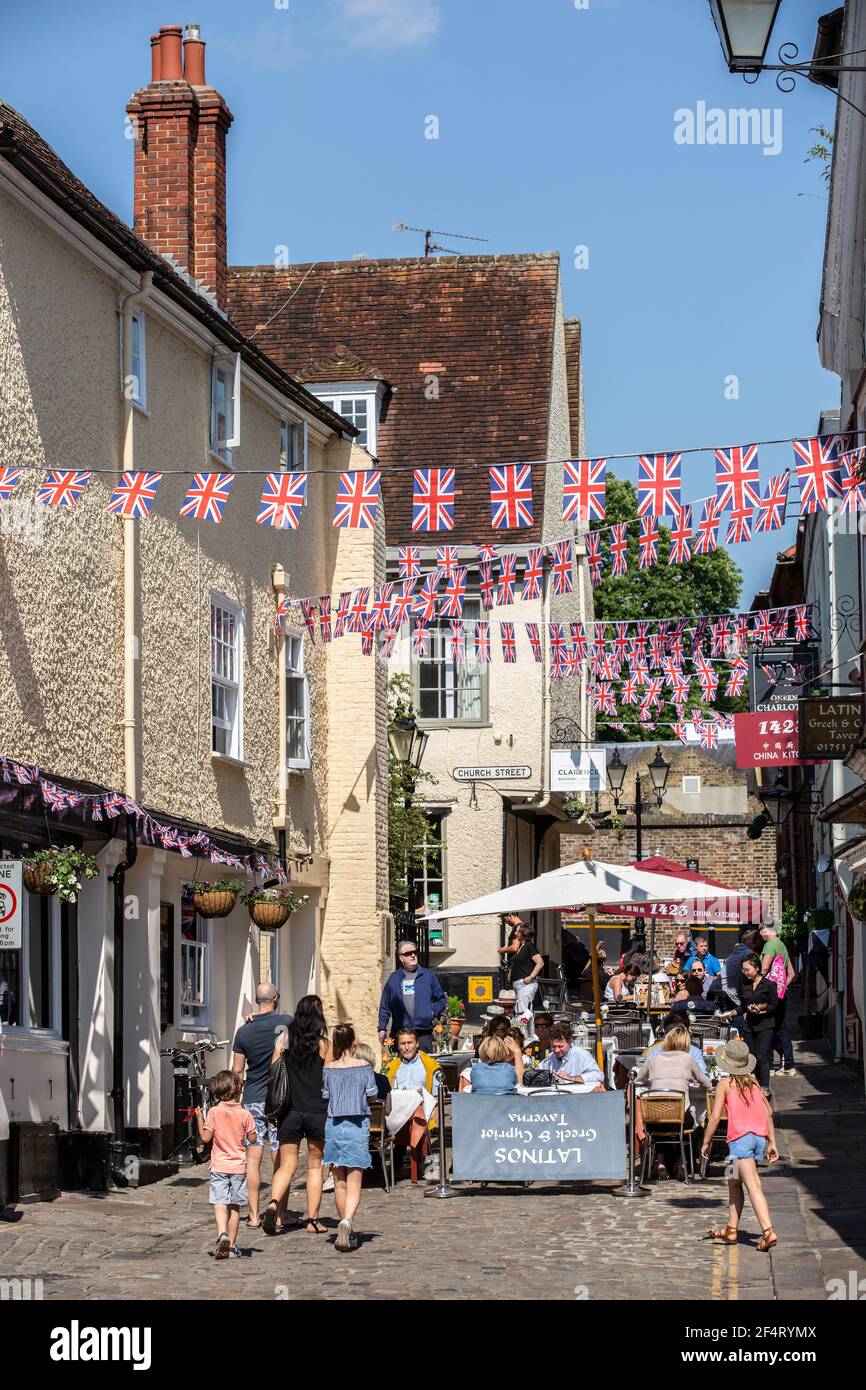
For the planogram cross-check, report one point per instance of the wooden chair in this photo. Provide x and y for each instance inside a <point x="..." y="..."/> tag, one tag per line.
<point x="720" y="1136"/>
<point x="381" y="1142"/>
<point x="664" y="1116"/>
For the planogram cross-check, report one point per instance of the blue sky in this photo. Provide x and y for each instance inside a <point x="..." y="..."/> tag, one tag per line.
<point x="556" y="130"/>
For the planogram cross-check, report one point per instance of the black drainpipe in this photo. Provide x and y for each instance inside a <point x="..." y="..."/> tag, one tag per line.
<point x="118" y="1097"/>
<point x="281" y="849"/>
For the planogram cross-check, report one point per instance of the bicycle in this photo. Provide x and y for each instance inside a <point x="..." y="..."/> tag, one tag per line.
<point x="191" y="1090"/>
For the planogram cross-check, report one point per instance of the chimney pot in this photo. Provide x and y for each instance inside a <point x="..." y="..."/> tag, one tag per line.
<point x="171" y="64"/>
<point x="155" y="58"/>
<point x="193" y="56"/>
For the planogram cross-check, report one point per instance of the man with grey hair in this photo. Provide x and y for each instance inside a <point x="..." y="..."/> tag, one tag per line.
<point x="412" y="998"/>
<point x="253" y="1050"/>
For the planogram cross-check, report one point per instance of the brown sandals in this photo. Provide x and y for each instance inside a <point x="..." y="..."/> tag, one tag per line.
<point x="768" y="1239"/>
<point x="726" y="1234"/>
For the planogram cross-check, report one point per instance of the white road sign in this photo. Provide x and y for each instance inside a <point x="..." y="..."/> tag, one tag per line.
<point x="492" y="774"/>
<point x="578" y="769"/>
<point x="10" y="904"/>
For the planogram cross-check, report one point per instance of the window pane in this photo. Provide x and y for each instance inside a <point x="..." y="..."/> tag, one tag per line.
<point x="39" y="983"/>
<point x="10" y="987"/>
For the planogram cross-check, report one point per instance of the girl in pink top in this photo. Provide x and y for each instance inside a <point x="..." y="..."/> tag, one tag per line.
<point x="751" y="1137"/>
<point x="226" y="1125"/>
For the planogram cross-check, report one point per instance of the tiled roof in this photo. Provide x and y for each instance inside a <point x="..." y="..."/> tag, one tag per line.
<point x="466" y="343"/>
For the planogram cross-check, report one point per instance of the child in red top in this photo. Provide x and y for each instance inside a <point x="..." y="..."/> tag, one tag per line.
<point x="751" y="1137"/>
<point x="226" y="1125"/>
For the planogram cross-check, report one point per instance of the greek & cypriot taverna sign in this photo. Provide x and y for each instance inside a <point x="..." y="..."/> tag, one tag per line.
<point x="492" y="774"/>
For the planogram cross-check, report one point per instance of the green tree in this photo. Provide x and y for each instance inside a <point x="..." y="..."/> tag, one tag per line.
<point x="708" y="584"/>
<point x="822" y="150"/>
<point x="407" y="824"/>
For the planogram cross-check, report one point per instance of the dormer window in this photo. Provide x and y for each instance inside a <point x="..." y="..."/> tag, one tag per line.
<point x="359" y="402"/>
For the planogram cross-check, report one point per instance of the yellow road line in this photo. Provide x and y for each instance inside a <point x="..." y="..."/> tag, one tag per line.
<point x="733" y="1273"/>
<point x="718" y="1268"/>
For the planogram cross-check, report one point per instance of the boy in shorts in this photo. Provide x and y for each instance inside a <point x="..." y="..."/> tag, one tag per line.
<point x="226" y="1125"/>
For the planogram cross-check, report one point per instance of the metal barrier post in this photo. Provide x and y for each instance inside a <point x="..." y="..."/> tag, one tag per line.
<point x="631" y="1187"/>
<point x="443" y="1188"/>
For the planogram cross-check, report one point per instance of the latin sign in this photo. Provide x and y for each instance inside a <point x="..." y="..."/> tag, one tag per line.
<point x="768" y="740"/>
<point x="560" y="1137"/>
<point x="492" y="774"/>
<point x="829" y="725"/>
<point x="780" y="673"/>
<point x="10" y="904"/>
<point x="578" y="769"/>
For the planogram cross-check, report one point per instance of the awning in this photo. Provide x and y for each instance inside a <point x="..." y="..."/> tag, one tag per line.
<point x="713" y="902"/>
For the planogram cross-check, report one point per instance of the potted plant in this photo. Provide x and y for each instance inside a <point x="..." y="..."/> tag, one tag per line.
<point x="457" y="1014"/>
<point x="215" y="897"/>
<point x="577" y="810"/>
<point x="272" y="907"/>
<point x="611" y="821"/>
<point x="60" y="870"/>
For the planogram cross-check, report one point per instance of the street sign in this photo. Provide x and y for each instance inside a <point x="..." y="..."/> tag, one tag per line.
<point x="10" y="904"/>
<point x="768" y="740"/>
<point x="492" y="774"/>
<point x="780" y="673"/>
<point x="829" y="725"/>
<point x="578" y="769"/>
<point x="555" y="1137"/>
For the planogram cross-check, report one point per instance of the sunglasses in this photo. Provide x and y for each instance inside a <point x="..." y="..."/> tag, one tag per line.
<point x="404" y="955"/>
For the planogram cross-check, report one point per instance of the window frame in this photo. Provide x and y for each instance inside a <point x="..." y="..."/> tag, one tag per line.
<point x="139" y="321"/>
<point x="438" y="815"/>
<point x="294" y="445"/>
<point x="296" y="671"/>
<point x="190" y="1023"/>
<point x="228" y="367"/>
<point x="235" y="751"/>
<point x="54" y="1030"/>
<point x="444" y="722"/>
<point x="333" y="393"/>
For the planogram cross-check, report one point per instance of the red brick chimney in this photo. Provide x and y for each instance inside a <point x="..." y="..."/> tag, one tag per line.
<point x="180" y="158"/>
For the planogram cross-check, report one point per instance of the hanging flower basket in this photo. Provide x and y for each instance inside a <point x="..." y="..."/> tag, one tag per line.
<point x="579" y="812"/>
<point x="271" y="908"/>
<point x="215" y="899"/>
<point x="36" y="879"/>
<point x="60" y="870"/>
<point x="857" y="898"/>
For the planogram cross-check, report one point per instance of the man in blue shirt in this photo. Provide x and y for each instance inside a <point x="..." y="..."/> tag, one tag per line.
<point x="711" y="966"/>
<point x="570" y="1063"/>
<point x="412" y="998"/>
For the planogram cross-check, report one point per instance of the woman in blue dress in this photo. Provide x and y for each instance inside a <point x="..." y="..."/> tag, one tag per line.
<point x="348" y="1085"/>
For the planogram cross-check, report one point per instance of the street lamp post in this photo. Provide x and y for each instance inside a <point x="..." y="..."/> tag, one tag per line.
<point x="407" y="743"/>
<point x="658" y="770"/>
<point x="745" y="27"/>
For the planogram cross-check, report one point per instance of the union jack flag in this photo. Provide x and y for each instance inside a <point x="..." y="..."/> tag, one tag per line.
<point x="709" y="734"/>
<point x="629" y="691"/>
<point x="639" y="640"/>
<point x="134" y="495"/>
<point x="652" y="696"/>
<point x="447" y="557"/>
<point x="509" y="645"/>
<point x="802" y="621"/>
<point x="772" y="506"/>
<point x="486" y="584"/>
<point x="534" y="635"/>
<point x="533" y="573"/>
<point x="420" y="640"/>
<point x="433" y="499"/>
<point x="779" y="620"/>
<point x="562" y="568"/>
<point x="648" y="543"/>
<point x="357" y="501"/>
<point x="818" y="472"/>
<point x="380" y="612"/>
<point x="640" y="673"/>
<point x="679" y="686"/>
<point x="583" y="496"/>
<point x="112" y="804"/>
<point x="25" y="776"/>
<point x="656" y="651"/>
<point x="572" y="663"/>
<point x="708" y="678"/>
<point x="425" y="599"/>
<point x="681" y="731"/>
<point x="720" y="635"/>
<point x="658" y="484"/>
<point x="325" y="617"/>
<point x="482" y="642"/>
<point x="698" y="635"/>
<point x="344" y="608"/>
<point x="283" y="500"/>
<point x="762" y="627"/>
<point x="556" y="637"/>
<point x="708" y="527"/>
<point x="403" y="603"/>
<point x="488" y="552"/>
<point x="308" y="612"/>
<point x="619" y="547"/>
<point x="602" y="699"/>
<point x="738" y="478"/>
<point x="9" y="480"/>
<point x="207" y="495"/>
<point x="367" y="637"/>
<point x="599" y="640"/>
<point x="578" y="639"/>
<point x="358" y="617"/>
<point x="454" y="593"/>
<point x="741" y="633"/>
<point x="458" y="642"/>
<point x="410" y="561"/>
<point x="387" y="638"/>
<point x="63" y="489"/>
<point x="737" y="677"/>
<point x="621" y="641"/>
<point x="594" y="556"/>
<point x="739" y="527"/>
<point x="850" y="483"/>
<point x="507" y="578"/>
<point x="511" y="496"/>
<point x="681" y="535"/>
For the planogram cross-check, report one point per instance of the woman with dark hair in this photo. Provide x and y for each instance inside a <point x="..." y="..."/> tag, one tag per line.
<point x="760" y="1003"/>
<point x="305" y="1050"/>
<point x="525" y="964"/>
<point x="348" y="1085"/>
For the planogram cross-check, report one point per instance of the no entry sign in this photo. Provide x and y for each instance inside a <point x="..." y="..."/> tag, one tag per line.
<point x="10" y="904"/>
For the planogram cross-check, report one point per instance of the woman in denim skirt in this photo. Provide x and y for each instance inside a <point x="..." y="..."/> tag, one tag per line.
<point x="348" y="1084"/>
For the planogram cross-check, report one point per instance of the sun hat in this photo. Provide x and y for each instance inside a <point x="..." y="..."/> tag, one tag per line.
<point x="736" y="1058"/>
<point x="493" y="1011"/>
<point x="507" y="996"/>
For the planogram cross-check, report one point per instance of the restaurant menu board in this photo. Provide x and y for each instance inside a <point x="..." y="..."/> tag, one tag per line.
<point x="555" y="1137"/>
<point x="779" y="674"/>
<point x="829" y="725"/>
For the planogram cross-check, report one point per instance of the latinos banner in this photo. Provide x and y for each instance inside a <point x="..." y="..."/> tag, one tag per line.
<point x="554" y="1137"/>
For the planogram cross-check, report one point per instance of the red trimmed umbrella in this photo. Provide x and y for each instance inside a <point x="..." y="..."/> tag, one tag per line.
<point x="714" y="903"/>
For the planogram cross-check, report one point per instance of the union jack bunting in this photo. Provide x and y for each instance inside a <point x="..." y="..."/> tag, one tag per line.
<point x="779" y="621"/>
<point x="207" y="495"/>
<point x="344" y="607"/>
<point x="283" y="500"/>
<point x="850" y="482"/>
<point x="562" y="568"/>
<point x="644" y="715"/>
<point x="708" y="527"/>
<point x="556" y="637"/>
<point x="112" y="804"/>
<point x="648" y="543"/>
<point x="681" y="535"/>
<point x="325" y="617"/>
<point x="640" y="672"/>
<point x="357" y="503"/>
<point x="358" y="616"/>
<point x="619" y="547"/>
<point x="802" y="621"/>
<point x="308" y="612"/>
<point x="738" y="478"/>
<point x="511" y="496"/>
<point x="433" y="499"/>
<point x="739" y="527"/>
<point x="454" y="594"/>
<point x="410" y="561"/>
<point x="367" y="637"/>
<point x="628" y="691"/>
<point x="534" y="635"/>
<point x="697" y="714"/>
<point x="708" y="678"/>
<point x="24" y="776"/>
<point x="681" y="732"/>
<point x="9" y="480"/>
<point x="603" y="700"/>
<point x="486" y="585"/>
<point x="594" y="556"/>
<point x="720" y="636"/>
<point x="583" y="496"/>
<point x="818" y="471"/>
<point x="699" y="633"/>
<point x="447" y="557"/>
<point x="658" y="484"/>
<point x="762" y="627"/>
<point x="425" y="599"/>
<point x="458" y="642"/>
<point x="599" y="639"/>
<point x="507" y="578"/>
<point x="773" y="504"/>
<point x="639" y="640"/>
<point x="621" y="641"/>
<point x="380" y="610"/>
<point x="572" y="663"/>
<point x="63" y="489"/>
<point x="488" y="552"/>
<point x="740" y="638"/>
<point x="652" y="697"/>
<point x="533" y="573"/>
<point x="387" y="638"/>
<point x="709" y="734"/>
<point x="656" y="651"/>
<point x="679" y="687"/>
<point x="509" y="645"/>
<point x="402" y="604"/>
<point x="482" y="642"/>
<point x="578" y="639"/>
<point x="134" y="495"/>
<point x="737" y="677"/>
<point x="420" y="640"/>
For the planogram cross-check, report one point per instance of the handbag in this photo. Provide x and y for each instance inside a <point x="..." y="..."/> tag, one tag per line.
<point x="278" y="1097"/>
<point x="779" y="975"/>
<point x="538" y="1076"/>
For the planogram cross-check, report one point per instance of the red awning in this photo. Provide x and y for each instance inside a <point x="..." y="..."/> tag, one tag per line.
<point x="713" y="902"/>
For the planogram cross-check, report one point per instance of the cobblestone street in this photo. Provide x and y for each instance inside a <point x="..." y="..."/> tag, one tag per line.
<point x="590" y="1242"/>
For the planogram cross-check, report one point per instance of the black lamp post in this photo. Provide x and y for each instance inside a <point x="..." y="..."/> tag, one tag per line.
<point x="407" y="743"/>
<point x="777" y="801"/>
<point x="658" y="770"/>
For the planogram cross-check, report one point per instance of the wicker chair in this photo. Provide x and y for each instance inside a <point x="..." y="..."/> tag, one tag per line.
<point x="664" y="1118"/>
<point x="381" y="1142"/>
